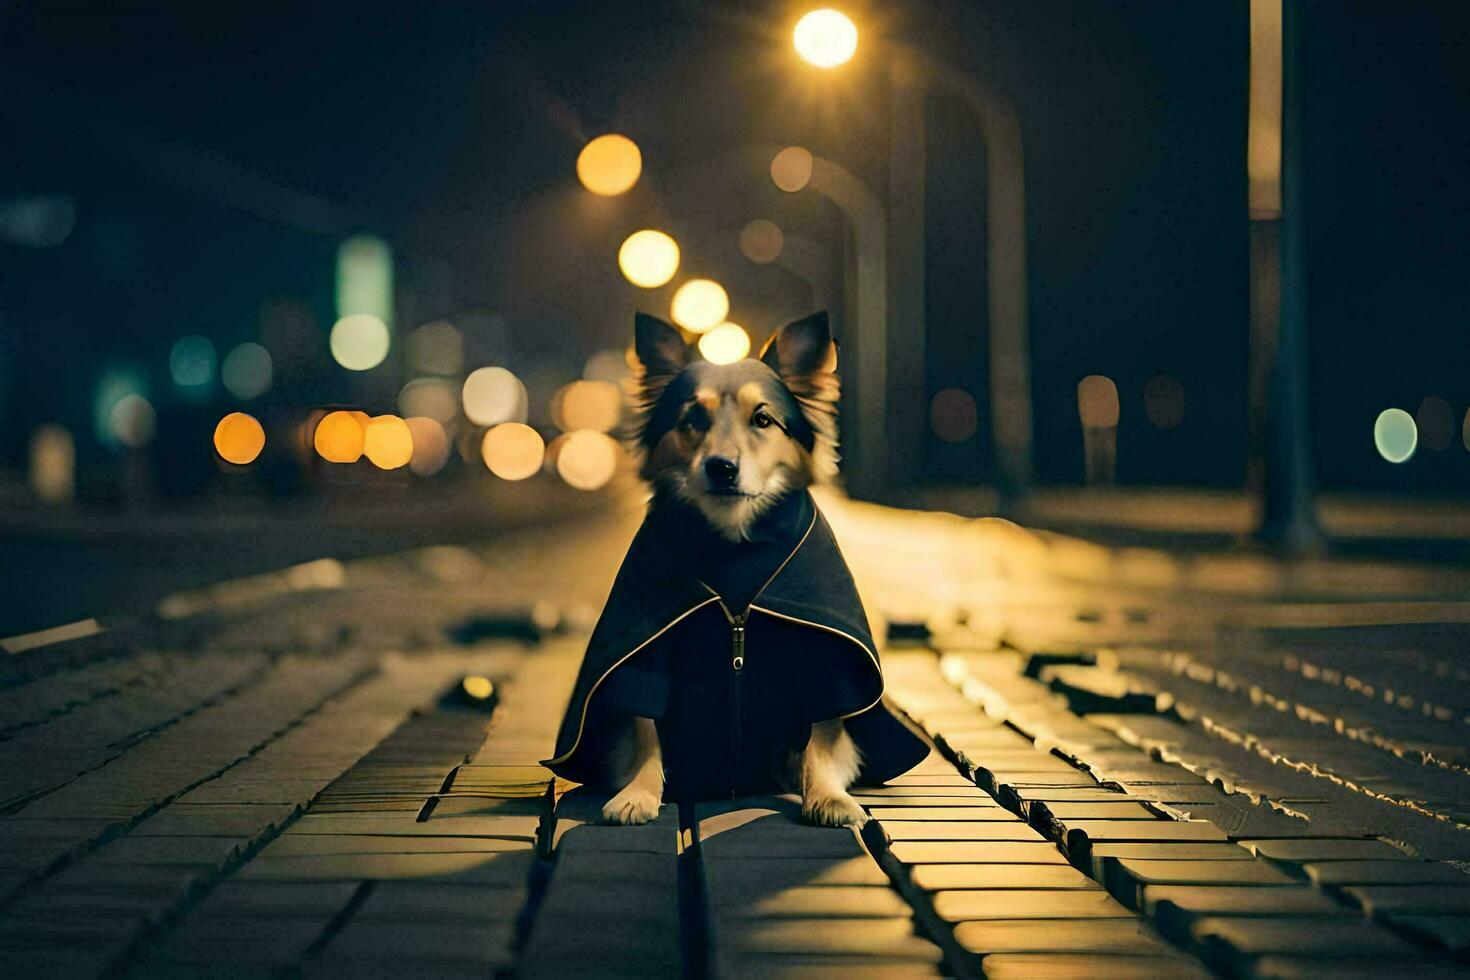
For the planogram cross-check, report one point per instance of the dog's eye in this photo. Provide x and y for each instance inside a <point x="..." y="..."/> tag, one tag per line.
<point x="762" y="419"/>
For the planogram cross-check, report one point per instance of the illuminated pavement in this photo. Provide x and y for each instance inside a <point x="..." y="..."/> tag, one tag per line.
<point x="1147" y="765"/>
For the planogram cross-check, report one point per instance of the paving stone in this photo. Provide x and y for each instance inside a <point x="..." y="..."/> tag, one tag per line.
<point x="1030" y="877"/>
<point x="1376" y="900"/>
<point x="1301" y="851"/>
<point x="894" y="938"/>
<point x="267" y="899"/>
<point x="930" y="779"/>
<point x="319" y="845"/>
<point x="1182" y="851"/>
<point x="1227" y="900"/>
<point x="805" y="902"/>
<point x="514" y="828"/>
<point x="1237" y="940"/>
<point x="819" y="967"/>
<point x="1087" y="966"/>
<point x="744" y="878"/>
<point x="1081" y="833"/>
<point x="1390" y="872"/>
<point x="210" y="851"/>
<point x="933" y="830"/>
<point x="1441" y="931"/>
<point x="407" y="900"/>
<point x="487" y="945"/>
<point x="942" y="813"/>
<point x="961" y="906"/>
<point x="962" y="790"/>
<point x="1098" y="810"/>
<point x="1357" y="968"/>
<point x="276" y="942"/>
<point x="927" y="802"/>
<point x="1127" y="877"/>
<point x="228" y="820"/>
<point x="1093" y="936"/>
<point x="505" y="867"/>
<point x="973" y="852"/>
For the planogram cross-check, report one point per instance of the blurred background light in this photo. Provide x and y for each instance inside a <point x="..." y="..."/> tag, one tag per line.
<point x="1097" y="402"/>
<point x="792" y="168"/>
<point x="1465" y="431"/>
<point x="606" y="365"/>
<point x="700" y="305"/>
<point x="513" y="450"/>
<point x="761" y="241"/>
<point x="359" y="341"/>
<point x="239" y="438"/>
<point x="825" y="38"/>
<point x="725" y="344"/>
<point x="435" y="348"/>
<point x="247" y="371"/>
<point x="430" y="445"/>
<point x="435" y="398"/>
<point x="365" y="278"/>
<point x="1163" y="401"/>
<point x="648" y="258"/>
<point x="133" y="421"/>
<point x="116" y="383"/>
<point x="953" y="416"/>
<point x="53" y="464"/>
<point x="37" y="220"/>
<point x="493" y="395"/>
<point x="588" y="460"/>
<point x="387" y="442"/>
<point x="1435" y="421"/>
<point x="338" y="437"/>
<point x="609" y="165"/>
<point x="191" y="361"/>
<point x="1395" y="435"/>
<point x="594" y="405"/>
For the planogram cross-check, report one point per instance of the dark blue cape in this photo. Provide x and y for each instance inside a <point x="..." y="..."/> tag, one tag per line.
<point x="664" y="649"/>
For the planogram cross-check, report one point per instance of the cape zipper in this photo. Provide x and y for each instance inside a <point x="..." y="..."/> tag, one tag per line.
<point x="737" y="672"/>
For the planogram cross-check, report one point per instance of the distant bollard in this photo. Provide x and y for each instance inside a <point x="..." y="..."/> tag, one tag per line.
<point x="1097" y="406"/>
<point x="473" y="692"/>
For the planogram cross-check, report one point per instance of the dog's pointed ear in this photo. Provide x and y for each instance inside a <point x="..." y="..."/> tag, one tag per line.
<point x="801" y="348"/>
<point x="660" y="349"/>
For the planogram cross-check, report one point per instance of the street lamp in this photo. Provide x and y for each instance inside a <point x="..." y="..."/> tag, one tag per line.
<point x="826" y="38"/>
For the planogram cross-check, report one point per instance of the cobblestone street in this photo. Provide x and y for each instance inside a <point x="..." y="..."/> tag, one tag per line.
<point x="1146" y="763"/>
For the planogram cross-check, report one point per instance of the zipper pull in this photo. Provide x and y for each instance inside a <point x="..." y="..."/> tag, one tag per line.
<point x="737" y="642"/>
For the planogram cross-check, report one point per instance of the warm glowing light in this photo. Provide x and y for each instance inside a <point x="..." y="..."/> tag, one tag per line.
<point x="725" y="344"/>
<point x="761" y="241"/>
<point x="191" y="361"/>
<point x="1163" y="401"/>
<point x="826" y="38"/>
<point x="387" y="442"/>
<point x="1435" y="421"/>
<point x="1395" y="435"/>
<point x="594" y="405"/>
<point x="792" y="168"/>
<point x="700" y="305"/>
<point x="247" y="371"/>
<point x="430" y="445"/>
<point x="435" y="348"/>
<point x="365" y="278"/>
<point x="609" y="165"/>
<point x="238" y="438"/>
<point x="1097" y="402"/>
<point x="648" y="258"/>
<point x="952" y="415"/>
<point x="587" y="460"/>
<point x="359" y="341"/>
<point x="53" y="464"/>
<point x="606" y="365"/>
<point x="436" y="398"/>
<point x="133" y="421"/>
<point x="339" y="437"/>
<point x="513" y="451"/>
<point x="477" y="687"/>
<point x="493" y="395"/>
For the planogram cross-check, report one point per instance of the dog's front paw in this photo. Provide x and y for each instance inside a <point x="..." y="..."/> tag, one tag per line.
<point x="634" y="805"/>
<point x="836" y="810"/>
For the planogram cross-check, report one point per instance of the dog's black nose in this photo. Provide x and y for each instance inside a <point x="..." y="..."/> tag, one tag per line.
<point x="721" y="472"/>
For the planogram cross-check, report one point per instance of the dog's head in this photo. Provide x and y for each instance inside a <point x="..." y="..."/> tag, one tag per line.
<point x="732" y="439"/>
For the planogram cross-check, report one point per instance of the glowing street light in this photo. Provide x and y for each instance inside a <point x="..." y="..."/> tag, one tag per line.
<point x="648" y="258"/>
<point x="609" y="165"/>
<point x="826" y="38"/>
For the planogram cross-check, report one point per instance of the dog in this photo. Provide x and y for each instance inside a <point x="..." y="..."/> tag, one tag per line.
<point x="733" y="656"/>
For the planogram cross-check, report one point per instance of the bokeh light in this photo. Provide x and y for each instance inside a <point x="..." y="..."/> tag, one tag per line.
<point x="1097" y="402"/>
<point x="606" y="365"/>
<point x="493" y="395"/>
<point x="953" y="416"/>
<point x="761" y="241"/>
<point x="338" y="437"/>
<point x="247" y="371"/>
<point x="648" y="258"/>
<point x="116" y="383"/>
<point x="513" y="451"/>
<point x="594" y="405"/>
<point x="725" y="344"/>
<point x="53" y="464"/>
<point x="133" y="421"/>
<point x="477" y="687"/>
<point x="792" y="168"/>
<point x="436" y="398"/>
<point x="387" y="442"/>
<point x="1436" y="423"/>
<point x="191" y="361"/>
<point x="609" y="165"/>
<point x="359" y="341"/>
<point x="430" y="445"/>
<point x="825" y="38"/>
<point x="587" y="460"/>
<point x="435" y="348"/>
<point x="700" y="305"/>
<point x="365" y="278"/>
<point x="239" y="438"/>
<point x="1395" y="435"/>
<point x="1163" y="401"/>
